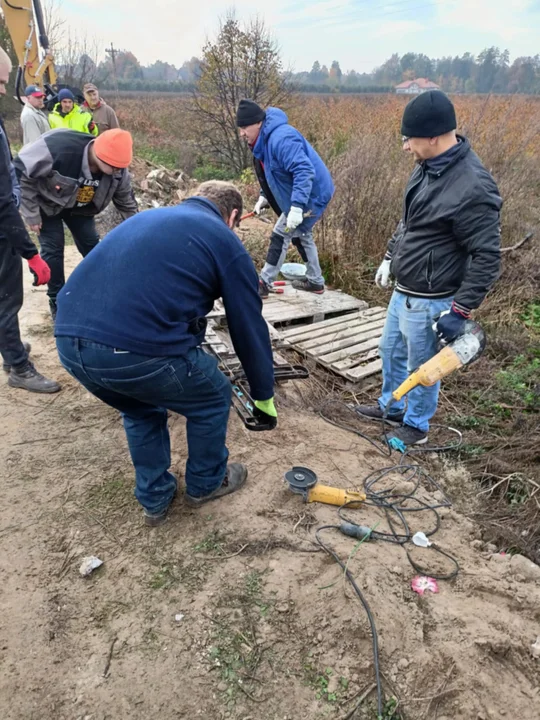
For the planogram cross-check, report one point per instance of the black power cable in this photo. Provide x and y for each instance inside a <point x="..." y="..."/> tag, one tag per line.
<point x="374" y="636"/>
<point x="395" y="507"/>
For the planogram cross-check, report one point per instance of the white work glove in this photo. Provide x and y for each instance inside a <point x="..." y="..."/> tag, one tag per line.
<point x="262" y="203"/>
<point x="382" y="277"/>
<point x="294" y="218"/>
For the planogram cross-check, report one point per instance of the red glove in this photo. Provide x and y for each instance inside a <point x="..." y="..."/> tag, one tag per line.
<point x="40" y="270"/>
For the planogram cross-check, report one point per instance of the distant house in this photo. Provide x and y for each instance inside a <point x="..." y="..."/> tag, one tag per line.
<point x="415" y="87"/>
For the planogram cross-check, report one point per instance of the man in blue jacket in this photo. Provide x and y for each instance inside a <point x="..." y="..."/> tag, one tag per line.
<point x="130" y="323"/>
<point x="294" y="182"/>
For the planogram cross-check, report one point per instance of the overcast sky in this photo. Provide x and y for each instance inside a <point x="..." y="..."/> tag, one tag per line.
<point x="360" y="34"/>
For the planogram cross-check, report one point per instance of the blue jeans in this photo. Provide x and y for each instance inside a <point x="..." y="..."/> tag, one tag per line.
<point x="408" y="341"/>
<point x="143" y="388"/>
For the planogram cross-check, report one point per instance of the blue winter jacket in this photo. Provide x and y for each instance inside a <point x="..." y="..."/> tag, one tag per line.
<point x="294" y="171"/>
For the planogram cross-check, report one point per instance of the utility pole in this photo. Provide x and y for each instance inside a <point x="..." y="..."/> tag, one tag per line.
<point x="113" y="52"/>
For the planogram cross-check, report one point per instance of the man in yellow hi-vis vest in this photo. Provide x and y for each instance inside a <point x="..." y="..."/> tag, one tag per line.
<point x="68" y="115"/>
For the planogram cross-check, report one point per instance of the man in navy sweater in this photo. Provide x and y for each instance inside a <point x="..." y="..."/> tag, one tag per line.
<point x="130" y="323"/>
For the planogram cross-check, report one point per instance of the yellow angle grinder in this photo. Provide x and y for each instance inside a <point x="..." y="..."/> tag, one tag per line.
<point x="464" y="350"/>
<point x="303" y="481"/>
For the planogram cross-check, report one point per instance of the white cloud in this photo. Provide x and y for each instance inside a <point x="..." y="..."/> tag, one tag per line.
<point x="506" y="19"/>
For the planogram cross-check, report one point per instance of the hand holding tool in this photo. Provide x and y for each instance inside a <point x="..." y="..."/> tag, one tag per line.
<point x="260" y="205"/>
<point x="294" y="218"/>
<point x="267" y="407"/>
<point x="464" y="350"/>
<point x="450" y="325"/>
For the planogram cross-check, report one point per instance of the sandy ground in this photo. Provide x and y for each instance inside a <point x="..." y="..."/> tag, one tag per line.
<point x="230" y="611"/>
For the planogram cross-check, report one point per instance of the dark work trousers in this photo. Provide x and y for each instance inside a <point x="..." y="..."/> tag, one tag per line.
<point x="51" y="240"/>
<point x="11" y="300"/>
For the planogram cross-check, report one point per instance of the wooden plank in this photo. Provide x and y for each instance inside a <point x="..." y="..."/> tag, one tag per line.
<point x="364" y="371"/>
<point x="354" y="333"/>
<point x="291" y="334"/>
<point x="351" y="339"/>
<point x="314" y="331"/>
<point x="351" y="351"/>
<point x="369" y="353"/>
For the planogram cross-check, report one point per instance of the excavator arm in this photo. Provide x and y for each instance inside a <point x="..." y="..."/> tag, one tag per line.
<point x="26" y="25"/>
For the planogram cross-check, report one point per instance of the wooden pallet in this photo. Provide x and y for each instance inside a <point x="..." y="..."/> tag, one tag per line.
<point x="295" y="305"/>
<point x="347" y="345"/>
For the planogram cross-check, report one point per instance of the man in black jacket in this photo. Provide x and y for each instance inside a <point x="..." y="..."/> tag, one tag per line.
<point x="15" y="244"/>
<point x="444" y="256"/>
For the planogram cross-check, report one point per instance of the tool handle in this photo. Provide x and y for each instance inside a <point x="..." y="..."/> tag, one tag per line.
<point x="245" y="217"/>
<point x="360" y="532"/>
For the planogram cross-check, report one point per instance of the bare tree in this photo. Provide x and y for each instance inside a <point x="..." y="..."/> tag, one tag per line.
<point x="77" y="58"/>
<point x="55" y="24"/>
<point x="243" y="62"/>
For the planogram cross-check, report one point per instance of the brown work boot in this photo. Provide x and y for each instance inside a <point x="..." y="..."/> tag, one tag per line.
<point x="235" y="477"/>
<point x="27" y="347"/>
<point x="28" y="378"/>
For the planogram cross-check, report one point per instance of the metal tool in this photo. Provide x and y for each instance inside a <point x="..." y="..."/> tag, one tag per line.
<point x="254" y="214"/>
<point x="464" y="350"/>
<point x="303" y="481"/>
<point x="253" y="418"/>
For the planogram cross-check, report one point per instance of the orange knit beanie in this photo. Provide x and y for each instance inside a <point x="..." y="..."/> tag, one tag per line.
<point x="114" y="147"/>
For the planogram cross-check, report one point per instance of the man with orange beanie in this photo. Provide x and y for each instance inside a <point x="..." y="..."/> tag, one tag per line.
<point x="69" y="177"/>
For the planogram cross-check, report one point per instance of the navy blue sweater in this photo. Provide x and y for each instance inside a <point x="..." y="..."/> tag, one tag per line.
<point x="144" y="287"/>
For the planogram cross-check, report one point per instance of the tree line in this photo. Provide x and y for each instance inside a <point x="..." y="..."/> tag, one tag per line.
<point x="490" y="71"/>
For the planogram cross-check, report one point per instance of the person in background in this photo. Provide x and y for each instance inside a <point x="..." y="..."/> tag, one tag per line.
<point x="69" y="177"/>
<point x="444" y="255"/>
<point x="102" y="114"/>
<point x="295" y="181"/>
<point x="68" y="115"/>
<point x="15" y="243"/>
<point x="136" y="309"/>
<point x="34" y="120"/>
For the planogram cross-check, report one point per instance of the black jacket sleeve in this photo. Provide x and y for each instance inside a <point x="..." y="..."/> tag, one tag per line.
<point x="12" y="229"/>
<point x="478" y="229"/>
<point x="248" y="328"/>
<point x="392" y="242"/>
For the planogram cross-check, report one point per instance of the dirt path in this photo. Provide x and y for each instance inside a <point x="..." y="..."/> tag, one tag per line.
<point x="268" y="631"/>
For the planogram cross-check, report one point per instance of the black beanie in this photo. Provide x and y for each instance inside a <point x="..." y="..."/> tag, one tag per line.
<point x="429" y="115"/>
<point x="249" y="113"/>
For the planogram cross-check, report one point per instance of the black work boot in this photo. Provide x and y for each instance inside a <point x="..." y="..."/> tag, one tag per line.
<point x="264" y="289"/>
<point x="52" y="308"/>
<point x="406" y="436"/>
<point x="235" y="477"/>
<point x="28" y="378"/>
<point x="374" y="412"/>
<point x="27" y="347"/>
<point x="308" y="286"/>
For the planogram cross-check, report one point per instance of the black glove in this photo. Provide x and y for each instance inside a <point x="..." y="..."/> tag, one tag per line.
<point x="450" y="324"/>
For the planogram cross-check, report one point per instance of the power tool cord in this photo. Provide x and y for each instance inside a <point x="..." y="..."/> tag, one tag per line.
<point x="393" y="506"/>
<point x="374" y="635"/>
